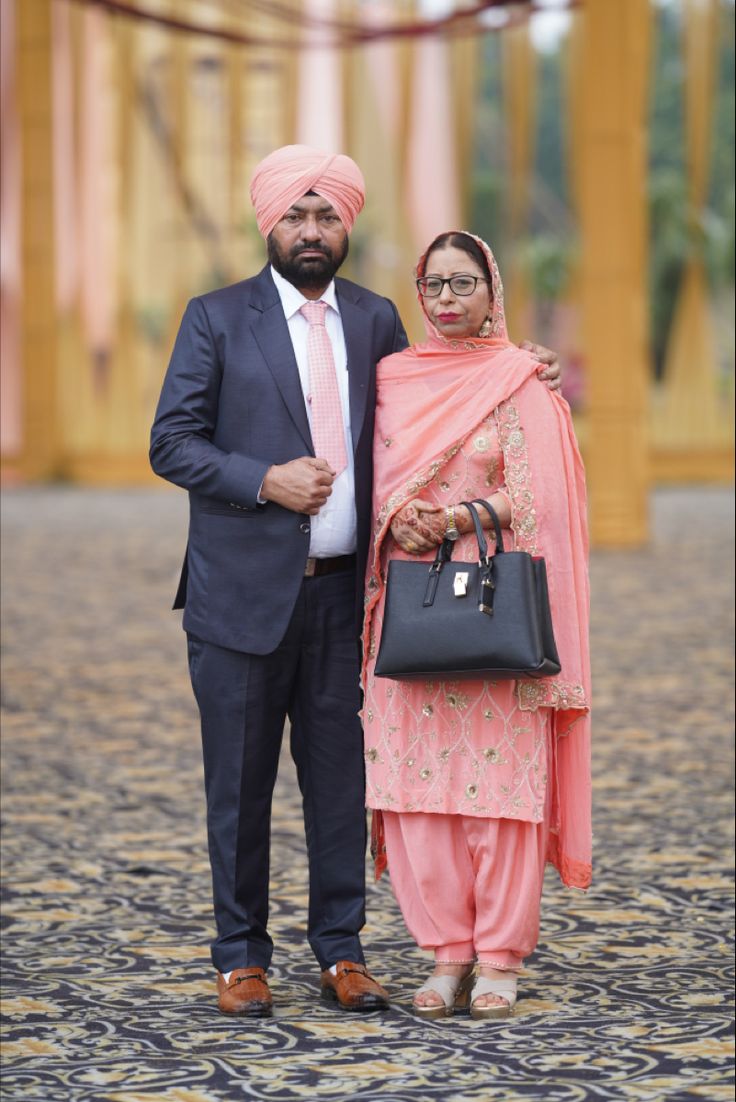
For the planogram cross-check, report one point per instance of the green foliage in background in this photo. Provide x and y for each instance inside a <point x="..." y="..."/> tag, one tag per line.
<point x="675" y="232"/>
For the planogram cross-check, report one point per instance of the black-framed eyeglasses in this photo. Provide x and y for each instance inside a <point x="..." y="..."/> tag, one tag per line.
<point x="431" y="286"/>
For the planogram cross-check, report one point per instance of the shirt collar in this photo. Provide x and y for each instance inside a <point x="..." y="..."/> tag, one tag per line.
<point x="292" y="299"/>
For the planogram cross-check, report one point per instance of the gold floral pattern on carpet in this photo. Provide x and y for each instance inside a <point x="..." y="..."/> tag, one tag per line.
<point x="109" y="993"/>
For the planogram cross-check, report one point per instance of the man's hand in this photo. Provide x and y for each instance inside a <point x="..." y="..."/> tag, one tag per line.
<point x="549" y="369"/>
<point x="303" y="485"/>
<point x="419" y="526"/>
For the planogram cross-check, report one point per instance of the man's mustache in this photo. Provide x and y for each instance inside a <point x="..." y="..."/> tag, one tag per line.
<point x="311" y="249"/>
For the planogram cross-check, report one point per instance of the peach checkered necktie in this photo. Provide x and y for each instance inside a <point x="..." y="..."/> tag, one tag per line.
<point x="328" y="428"/>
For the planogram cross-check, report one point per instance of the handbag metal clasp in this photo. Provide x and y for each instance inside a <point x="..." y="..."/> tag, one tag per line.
<point x="460" y="583"/>
<point x="486" y="587"/>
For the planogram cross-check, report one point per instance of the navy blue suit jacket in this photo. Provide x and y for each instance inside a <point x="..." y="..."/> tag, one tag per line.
<point x="230" y="407"/>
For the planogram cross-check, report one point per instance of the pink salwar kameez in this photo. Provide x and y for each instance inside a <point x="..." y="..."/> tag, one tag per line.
<point x="468" y="888"/>
<point x="475" y="784"/>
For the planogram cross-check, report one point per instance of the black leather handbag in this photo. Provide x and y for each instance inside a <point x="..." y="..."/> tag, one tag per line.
<point x="486" y="619"/>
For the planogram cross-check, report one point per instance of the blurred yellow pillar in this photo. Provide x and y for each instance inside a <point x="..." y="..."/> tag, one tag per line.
<point x="40" y="429"/>
<point x="614" y="59"/>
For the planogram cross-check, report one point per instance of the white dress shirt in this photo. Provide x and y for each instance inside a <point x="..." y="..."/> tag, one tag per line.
<point x="334" y="528"/>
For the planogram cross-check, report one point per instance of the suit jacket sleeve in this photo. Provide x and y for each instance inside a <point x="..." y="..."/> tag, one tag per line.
<point x="182" y="449"/>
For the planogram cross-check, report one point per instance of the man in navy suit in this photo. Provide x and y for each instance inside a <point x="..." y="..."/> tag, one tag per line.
<point x="273" y="577"/>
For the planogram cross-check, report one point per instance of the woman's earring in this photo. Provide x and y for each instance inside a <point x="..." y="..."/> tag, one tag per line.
<point x="486" y="328"/>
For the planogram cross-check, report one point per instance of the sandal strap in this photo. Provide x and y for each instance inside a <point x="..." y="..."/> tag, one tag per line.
<point x="502" y="989"/>
<point x="444" y="986"/>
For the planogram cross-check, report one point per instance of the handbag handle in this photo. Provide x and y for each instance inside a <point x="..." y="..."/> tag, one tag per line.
<point x="445" y="549"/>
<point x="482" y="544"/>
<point x="485" y="564"/>
<point x="496" y="522"/>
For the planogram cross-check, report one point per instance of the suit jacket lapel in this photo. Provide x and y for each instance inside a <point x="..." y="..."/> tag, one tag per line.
<point x="272" y="334"/>
<point x="357" y="330"/>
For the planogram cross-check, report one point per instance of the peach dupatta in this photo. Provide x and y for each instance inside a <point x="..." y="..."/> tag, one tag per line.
<point x="430" y="399"/>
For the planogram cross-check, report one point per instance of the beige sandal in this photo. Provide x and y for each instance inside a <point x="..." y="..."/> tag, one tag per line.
<point x="453" y="990"/>
<point x="501" y="988"/>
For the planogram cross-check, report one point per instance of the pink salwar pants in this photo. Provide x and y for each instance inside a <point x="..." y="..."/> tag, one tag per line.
<point x="468" y="888"/>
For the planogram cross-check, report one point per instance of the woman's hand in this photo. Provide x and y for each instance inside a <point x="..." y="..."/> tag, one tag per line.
<point x="549" y="369"/>
<point x="419" y="526"/>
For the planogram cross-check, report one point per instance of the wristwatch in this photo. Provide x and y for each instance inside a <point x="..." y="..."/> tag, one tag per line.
<point x="451" y="531"/>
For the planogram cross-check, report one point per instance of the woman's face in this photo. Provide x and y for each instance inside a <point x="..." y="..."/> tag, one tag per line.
<point x="457" y="315"/>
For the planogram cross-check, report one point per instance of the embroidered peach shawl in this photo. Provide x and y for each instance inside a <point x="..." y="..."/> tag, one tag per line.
<point x="430" y="399"/>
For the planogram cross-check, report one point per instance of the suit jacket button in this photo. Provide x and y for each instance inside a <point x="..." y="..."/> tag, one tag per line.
<point x="304" y="527"/>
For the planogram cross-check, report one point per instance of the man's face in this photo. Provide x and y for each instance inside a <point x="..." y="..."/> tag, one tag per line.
<point x="308" y="245"/>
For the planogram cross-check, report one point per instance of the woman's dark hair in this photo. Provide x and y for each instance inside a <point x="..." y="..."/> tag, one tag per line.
<point x="466" y="244"/>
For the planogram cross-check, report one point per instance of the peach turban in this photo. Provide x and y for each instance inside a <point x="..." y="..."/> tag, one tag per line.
<point x="290" y="172"/>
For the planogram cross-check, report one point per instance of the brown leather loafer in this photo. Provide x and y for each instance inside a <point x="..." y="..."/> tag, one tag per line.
<point x="353" y="989"/>
<point x="246" y="993"/>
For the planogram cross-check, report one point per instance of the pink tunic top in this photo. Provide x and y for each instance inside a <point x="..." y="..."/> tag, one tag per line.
<point x="455" y="747"/>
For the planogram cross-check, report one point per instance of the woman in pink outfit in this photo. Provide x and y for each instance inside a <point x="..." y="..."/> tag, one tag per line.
<point x="475" y="784"/>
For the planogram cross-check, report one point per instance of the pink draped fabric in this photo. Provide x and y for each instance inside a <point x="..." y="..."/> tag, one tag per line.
<point x="431" y="399"/>
<point x="319" y="103"/>
<point x="433" y="198"/>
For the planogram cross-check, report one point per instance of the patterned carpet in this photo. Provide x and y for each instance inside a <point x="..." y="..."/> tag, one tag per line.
<point x="108" y="987"/>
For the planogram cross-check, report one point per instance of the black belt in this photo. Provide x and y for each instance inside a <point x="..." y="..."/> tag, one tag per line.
<point x="315" y="568"/>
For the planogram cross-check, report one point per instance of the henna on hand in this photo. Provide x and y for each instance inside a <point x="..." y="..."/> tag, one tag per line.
<point x="418" y="526"/>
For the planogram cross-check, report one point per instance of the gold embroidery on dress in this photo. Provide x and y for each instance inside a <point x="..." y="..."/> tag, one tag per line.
<point x="457" y="699"/>
<point x="412" y="488"/>
<point x="548" y="692"/>
<point x="468" y="346"/>
<point x="518" y="476"/>
<point x="445" y="483"/>
<point x="492" y="472"/>
<point x="561" y="695"/>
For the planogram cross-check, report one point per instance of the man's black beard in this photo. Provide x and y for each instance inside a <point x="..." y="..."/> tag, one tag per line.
<point x="308" y="275"/>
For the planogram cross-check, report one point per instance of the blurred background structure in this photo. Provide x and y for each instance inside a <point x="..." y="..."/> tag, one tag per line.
<point x="591" y="143"/>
